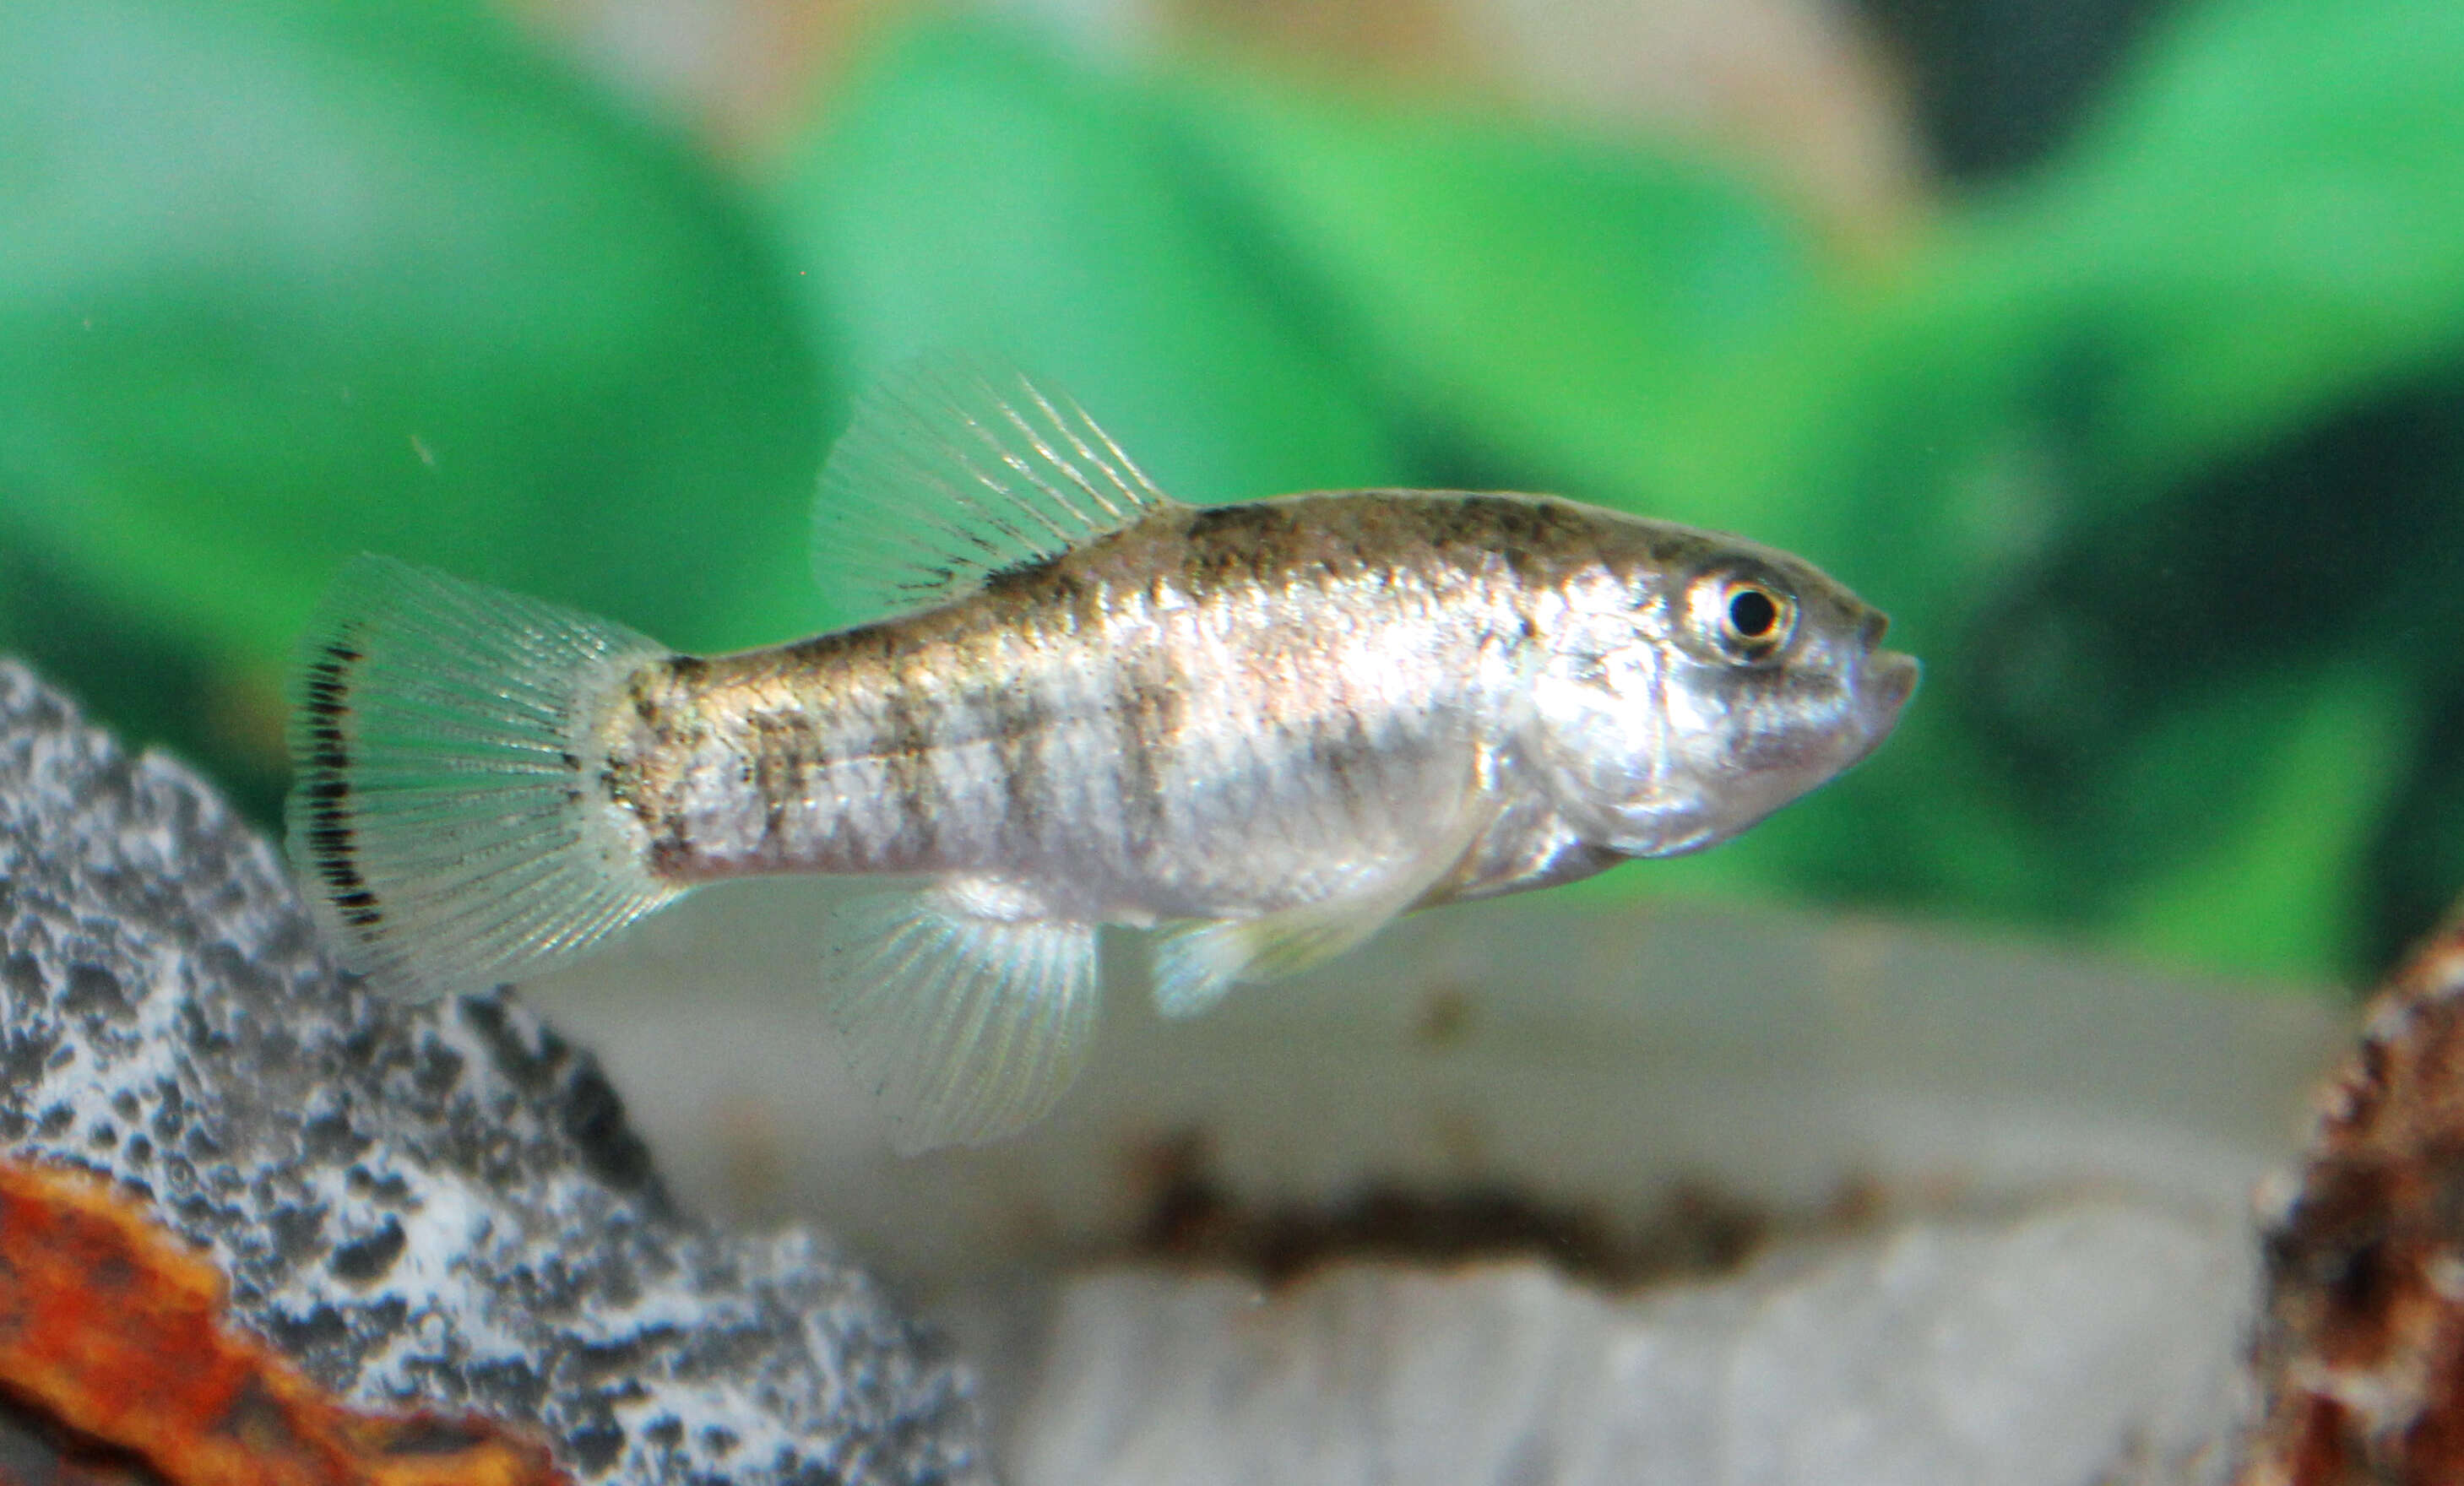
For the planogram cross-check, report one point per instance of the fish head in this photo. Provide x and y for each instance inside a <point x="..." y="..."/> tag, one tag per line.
<point x="1702" y="688"/>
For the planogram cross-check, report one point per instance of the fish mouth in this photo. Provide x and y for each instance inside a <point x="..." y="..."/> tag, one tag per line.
<point x="1888" y="679"/>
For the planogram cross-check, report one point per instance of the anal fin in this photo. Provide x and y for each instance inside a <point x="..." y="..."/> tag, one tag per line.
<point x="965" y="1018"/>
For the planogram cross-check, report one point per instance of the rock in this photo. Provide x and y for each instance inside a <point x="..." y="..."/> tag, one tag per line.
<point x="2361" y="1349"/>
<point x="2093" y="1340"/>
<point x="441" y="1205"/>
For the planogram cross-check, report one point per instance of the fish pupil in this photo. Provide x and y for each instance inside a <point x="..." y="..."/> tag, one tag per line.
<point x="1752" y="613"/>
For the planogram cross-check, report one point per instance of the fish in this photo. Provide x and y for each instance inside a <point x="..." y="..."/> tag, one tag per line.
<point x="1260" y="731"/>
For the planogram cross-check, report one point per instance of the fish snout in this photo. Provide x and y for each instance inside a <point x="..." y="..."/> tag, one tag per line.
<point x="1890" y="679"/>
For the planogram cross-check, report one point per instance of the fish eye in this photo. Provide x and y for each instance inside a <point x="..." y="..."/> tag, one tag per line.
<point x="1752" y="614"/>
<point x="1749" y="618"/>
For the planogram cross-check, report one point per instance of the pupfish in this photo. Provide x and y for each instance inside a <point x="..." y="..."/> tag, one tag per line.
<point x="1260" y="731"/>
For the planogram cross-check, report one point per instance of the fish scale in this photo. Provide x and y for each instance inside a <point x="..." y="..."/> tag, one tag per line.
<point x="914" y="733"/>
<point x="1261" y="729"/>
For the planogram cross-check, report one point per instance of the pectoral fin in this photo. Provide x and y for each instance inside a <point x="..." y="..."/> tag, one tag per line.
<point x="1197" y="962"/>
<point x="965" y="1024"/>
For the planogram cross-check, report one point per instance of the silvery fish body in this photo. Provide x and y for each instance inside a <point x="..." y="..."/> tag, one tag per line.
<point x="1262" y="730"/>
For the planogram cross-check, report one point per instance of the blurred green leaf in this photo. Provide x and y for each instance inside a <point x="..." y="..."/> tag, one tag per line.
<point x="2271" y="891"/>
<point x="2260" y="228"/>
<point x="281" y="282"/>
<point x="974" y="190"/>
<point x="2267" y="220"/>
<point x="1551" y="294"/>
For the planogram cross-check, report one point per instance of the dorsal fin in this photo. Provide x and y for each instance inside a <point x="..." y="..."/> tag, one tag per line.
<point x="954" y="468"/>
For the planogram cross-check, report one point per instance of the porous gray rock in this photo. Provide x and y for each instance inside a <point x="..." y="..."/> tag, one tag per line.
<point x="441" y="1205"/>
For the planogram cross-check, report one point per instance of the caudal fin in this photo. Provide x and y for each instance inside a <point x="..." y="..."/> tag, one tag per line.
<point x="444" y="809"/>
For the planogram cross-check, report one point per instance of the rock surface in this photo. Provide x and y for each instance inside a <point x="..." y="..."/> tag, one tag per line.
<point x="440" y="1205"/>
<point x="2361" y="1346"/>
<point x="2096" y="1340"/>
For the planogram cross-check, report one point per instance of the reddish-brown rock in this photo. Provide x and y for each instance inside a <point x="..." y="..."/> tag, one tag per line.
<point x="115" y="1334"/>
<point x="2361" y="1352"/>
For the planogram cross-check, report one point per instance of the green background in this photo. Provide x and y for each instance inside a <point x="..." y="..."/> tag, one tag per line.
<point x="2152" y="449"/>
